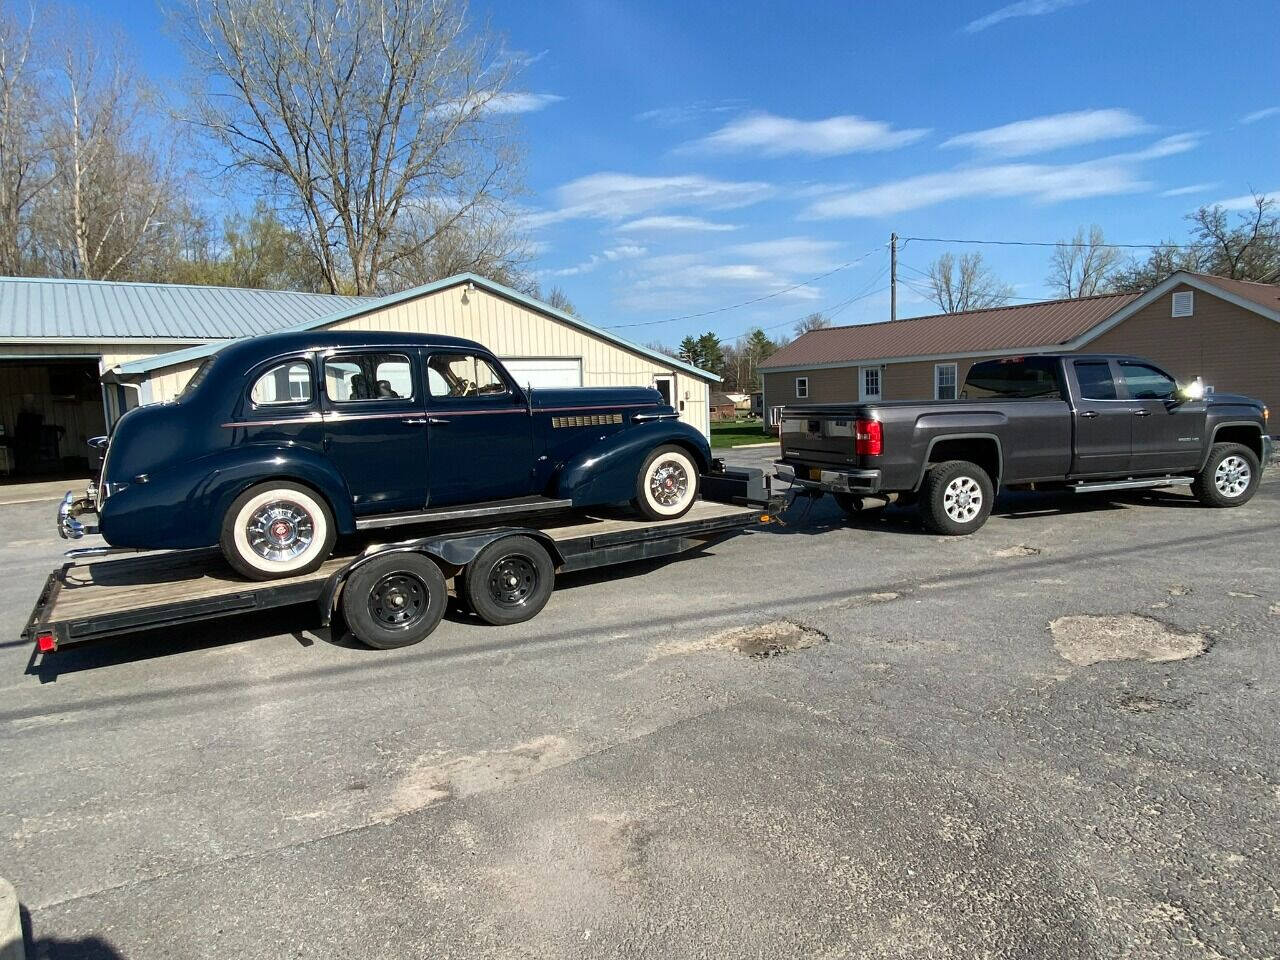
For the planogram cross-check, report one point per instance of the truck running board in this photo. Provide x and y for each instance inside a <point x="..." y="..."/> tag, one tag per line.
<point x="1142" y="483"/>
<point x="471" y="511"/>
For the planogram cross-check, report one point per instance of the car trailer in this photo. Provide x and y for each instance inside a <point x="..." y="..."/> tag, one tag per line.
<point x="391" y="594"/>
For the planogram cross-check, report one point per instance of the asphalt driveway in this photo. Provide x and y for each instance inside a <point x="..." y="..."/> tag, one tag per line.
<point x="1056" y="738"/>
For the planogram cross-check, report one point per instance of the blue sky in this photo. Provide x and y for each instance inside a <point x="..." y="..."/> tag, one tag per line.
<point x="686" y="157"/>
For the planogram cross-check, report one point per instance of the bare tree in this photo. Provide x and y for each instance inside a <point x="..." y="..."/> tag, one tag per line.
<point x="966" y="284"/>
<point x="814" y="321"/>
<point x="1248" y="249"/>
<point x="1080" y="267"/>
<point x="434" y="244"/>
<point x="349" y="111"/>
<point x="24" y="170"/>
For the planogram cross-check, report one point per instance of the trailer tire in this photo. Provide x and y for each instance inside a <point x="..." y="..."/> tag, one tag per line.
<point x="956" y="498"/>
<point x="1229" y="478"/>
<point x="509" y="581"/>
<point x="667" y="484"/>
<point x="306" y="531"/>
<point x="395" y="600"/>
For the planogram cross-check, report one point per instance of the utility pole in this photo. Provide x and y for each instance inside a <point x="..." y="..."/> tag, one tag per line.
<point x="893" y="276"/>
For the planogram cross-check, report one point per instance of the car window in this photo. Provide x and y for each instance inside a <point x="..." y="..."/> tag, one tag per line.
<point x="1013" y="378"/>
<point x="284" y="383"/>
<point x="1146" y="383"/>
<point x="1095" y="380"/>
<point x="360" y="377"/>
<point x="451" y="375"/>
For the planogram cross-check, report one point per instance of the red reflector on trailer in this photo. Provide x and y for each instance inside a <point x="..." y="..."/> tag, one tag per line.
<point x="868" y="438"/>
<point x="45" y="643"/>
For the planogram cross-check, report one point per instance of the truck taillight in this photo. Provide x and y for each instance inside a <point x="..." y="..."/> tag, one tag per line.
<point x="868" y="438"/>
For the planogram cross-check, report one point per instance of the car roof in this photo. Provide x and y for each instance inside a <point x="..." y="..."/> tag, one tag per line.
<point x="254" y="349"/>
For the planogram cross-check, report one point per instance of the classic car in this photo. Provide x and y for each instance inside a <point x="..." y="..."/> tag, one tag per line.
<point x="281" y="443"/>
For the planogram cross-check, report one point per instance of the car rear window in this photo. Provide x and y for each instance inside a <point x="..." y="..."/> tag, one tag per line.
<point x="1013" y="378"/>
<point x="1096" y="382"/>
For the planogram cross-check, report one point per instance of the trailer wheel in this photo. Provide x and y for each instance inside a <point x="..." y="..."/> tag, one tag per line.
<point x="667" y="484"/>
<point x="395" y="600"/>
<point x="509" y="581"/>
<point x="956" y="498"/>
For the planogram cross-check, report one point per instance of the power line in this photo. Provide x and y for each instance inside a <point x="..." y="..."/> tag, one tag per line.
<point x="1058" y="243"/>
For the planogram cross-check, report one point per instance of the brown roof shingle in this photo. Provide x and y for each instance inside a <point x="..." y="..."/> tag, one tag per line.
<point x="973" y="331"/>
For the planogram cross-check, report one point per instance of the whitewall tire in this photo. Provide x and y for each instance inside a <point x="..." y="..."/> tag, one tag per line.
<point x="667" y="485"/>
<point x="278" y="529"/>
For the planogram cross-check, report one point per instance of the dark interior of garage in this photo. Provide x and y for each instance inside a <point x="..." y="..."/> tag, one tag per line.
<point x="48" y="411"/>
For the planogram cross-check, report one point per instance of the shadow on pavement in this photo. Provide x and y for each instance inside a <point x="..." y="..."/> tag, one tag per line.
<point x="52" y="948"/>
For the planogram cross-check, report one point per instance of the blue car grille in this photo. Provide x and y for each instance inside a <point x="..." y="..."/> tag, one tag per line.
<point x="589" y="420"/>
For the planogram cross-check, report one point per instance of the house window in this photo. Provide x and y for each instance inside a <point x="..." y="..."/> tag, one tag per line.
<point x="870" y="383"/>
<point x="944" y="381"/>
<point x="802" y="388"/>
<point x="1183" y="303"/>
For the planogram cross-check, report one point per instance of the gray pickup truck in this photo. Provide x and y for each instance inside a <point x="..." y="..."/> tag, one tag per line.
<point x="1075" y="422"/>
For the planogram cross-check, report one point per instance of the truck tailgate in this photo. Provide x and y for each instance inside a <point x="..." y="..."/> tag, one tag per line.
<point x="820" y="438"/>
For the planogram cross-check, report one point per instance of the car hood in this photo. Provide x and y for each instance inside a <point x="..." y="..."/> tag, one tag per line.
<point x="1216" y="399"/>
<point x="559" y="398"/>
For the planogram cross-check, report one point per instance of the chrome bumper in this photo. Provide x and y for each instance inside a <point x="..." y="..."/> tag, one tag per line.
<point x="832" y="481"/>
<point x="69" y="512"/>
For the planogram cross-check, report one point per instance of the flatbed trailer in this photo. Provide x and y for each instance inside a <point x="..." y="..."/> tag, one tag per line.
<point x="390" y="594"/>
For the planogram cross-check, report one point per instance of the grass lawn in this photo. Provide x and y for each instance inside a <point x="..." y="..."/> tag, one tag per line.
<point x="730" y="433"/>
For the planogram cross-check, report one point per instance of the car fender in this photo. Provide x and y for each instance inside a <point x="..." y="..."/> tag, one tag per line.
<point x="183" y="507"/>
<point x="606" y="471"/>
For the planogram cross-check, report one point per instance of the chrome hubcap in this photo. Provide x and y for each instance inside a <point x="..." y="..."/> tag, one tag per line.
<point x="1232" y="476"/>
<point x="668" y="483"/>
<point x="280" y="531"/>
<point x="962" y="499"/>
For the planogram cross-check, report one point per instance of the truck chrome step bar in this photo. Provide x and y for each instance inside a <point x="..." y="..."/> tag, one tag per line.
<point x="1141" y="483"/>
<point x="472" y="511"/>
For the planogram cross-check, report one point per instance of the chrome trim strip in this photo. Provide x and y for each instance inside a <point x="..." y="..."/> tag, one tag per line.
<point x="309" y="418"/>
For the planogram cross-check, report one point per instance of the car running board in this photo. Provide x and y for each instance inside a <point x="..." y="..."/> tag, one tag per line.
<point x="1142" y="483"/>
<point x="470" y="511"/>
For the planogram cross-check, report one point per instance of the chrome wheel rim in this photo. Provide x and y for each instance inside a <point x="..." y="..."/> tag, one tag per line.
<point x="962" y="499"/>
<point x="513" y="580"/>
<point x="280" y="531"/>
<point x="669" y="483"/>
<point x="1232" y="476"/>
<point x="399" y="601"/>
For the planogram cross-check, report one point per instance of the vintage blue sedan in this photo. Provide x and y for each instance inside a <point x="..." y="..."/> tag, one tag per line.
<point x="281" y="443"/>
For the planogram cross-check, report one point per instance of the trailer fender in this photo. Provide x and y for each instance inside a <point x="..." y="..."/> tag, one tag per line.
<point x="452" y="551"/>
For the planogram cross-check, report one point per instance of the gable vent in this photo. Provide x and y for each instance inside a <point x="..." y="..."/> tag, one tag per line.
<point x="1183" y="303"/>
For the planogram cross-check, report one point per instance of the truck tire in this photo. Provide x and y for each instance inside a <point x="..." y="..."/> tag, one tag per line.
<point x="955" y="498"/>
<point x="667" y="484"/>
<point x="277" y="529"/>
<point x="1229" y="478"/>
<point x="509" y="581"/>
<point x="394" y="600"/>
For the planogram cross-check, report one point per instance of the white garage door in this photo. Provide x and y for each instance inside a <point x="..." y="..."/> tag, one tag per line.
<point x="546" y="373"/>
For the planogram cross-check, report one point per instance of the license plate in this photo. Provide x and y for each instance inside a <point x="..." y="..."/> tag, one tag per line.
<point x="815" y="473"/>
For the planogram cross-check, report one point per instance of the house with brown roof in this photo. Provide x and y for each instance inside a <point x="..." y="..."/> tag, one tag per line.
<point x="1225" y="331"/>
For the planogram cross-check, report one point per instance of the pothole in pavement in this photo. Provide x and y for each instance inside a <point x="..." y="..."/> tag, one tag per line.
<point x="1017" y="550"/>
<point x="1084" y="639"/>
<point x="772" y="639"/>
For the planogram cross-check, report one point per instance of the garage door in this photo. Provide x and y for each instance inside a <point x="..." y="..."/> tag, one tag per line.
<point x="546" y="373"/>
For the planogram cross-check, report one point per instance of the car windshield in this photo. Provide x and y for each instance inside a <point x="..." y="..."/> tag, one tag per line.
<point x="197" y="378"/>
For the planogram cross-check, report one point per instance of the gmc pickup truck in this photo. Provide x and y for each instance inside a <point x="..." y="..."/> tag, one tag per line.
<point x="1075" y="422"/>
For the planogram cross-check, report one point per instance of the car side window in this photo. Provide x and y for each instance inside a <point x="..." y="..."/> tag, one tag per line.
<point x="454" y="375"/>
<point x="1146" y="383"/>
<point x="284" y="383"/>
<point x="1095" y="380"/>
<point x="353" y="378"/>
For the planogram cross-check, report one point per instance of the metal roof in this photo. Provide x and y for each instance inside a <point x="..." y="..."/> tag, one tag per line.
<point x="38" y="308"/>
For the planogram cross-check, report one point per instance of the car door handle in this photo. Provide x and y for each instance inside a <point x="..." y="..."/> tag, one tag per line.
<point x="437" y="420"/>
<point x="1088" y="414"/>
<point x="1142" y="413"/>
<point x="414" y="420"/>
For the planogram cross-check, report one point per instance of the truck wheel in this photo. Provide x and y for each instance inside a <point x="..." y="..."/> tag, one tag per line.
<point x="956" y="498"/>
<point x="667" y="485"/>
<point x="509" y="581"/>
<point x="395" y="600"/>
<point x="1229" y="478"/>
<point x="278" y="529"/>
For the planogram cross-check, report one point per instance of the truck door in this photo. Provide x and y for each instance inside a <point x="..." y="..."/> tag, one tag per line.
<point x="375" y="428"/>
<point x="1166" y="429"/>
<point x="479" y="430"/>
<point x="1104" y="420"/>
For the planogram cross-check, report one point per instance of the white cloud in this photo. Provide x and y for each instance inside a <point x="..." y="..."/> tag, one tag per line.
<point x="802" y="255"/>
<point x="1262" y="114"/>
<point x="627" y="251"/>
<point x="1189" y="188"/>
<point x="1024" y="8"/>
<point x="777" y="136"/>
<point x="620" y="196"/>
<point x="682" y="113"/>
<point x="662" y="224"/>
<point x="1041" y="134"/>
<point x="1043" y="183"/>
<point x="521" y="102"/>
<point x="1246" y="201"/>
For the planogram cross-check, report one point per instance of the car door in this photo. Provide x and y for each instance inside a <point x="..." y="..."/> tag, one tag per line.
<point x="1165" y="428"/>
<point x="376" y="427"/>
<point x="1104" y="420"/>
<point x="479" y="430"/>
